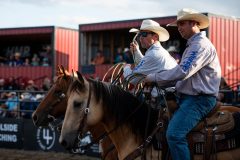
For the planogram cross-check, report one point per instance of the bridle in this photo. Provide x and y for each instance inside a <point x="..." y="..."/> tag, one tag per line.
<point x="86" y="111"/>
<point x="53" y="122"/>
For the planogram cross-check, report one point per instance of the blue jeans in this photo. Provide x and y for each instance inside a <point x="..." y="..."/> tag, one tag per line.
<point x="192" y="109"/>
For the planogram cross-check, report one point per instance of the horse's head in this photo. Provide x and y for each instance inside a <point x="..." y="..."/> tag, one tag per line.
<point x="54" y="103"/>
<point x="82" y="112"/>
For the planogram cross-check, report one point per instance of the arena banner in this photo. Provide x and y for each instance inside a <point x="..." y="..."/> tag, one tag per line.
<point x="22" y="134"/>
<point x="11" y="133"/>
<point x="40" y="138"/>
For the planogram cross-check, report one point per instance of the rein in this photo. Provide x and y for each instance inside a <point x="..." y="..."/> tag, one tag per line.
<point x="140" y="149"/>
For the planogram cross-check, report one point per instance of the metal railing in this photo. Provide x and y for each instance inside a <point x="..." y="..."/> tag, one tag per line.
<point x="23" y="102"/>
<point x="27" y="101"/>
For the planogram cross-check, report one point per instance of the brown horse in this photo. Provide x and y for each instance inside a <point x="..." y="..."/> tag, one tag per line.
<point x="122" y="114"/>
<point x="54" y="106"/>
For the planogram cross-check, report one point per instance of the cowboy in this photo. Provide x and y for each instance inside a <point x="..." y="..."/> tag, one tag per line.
<point x="156" y="57"/>
<point x="197" y="80"/>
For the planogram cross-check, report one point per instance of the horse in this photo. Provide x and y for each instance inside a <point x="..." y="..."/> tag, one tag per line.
<point x="123" y="116"/>
<point x="54" y="106"/>
<point x="115" y="115"/>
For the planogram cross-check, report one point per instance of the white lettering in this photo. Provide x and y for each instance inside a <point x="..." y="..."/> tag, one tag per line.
<point x="9" y="127"/>
<point x="8" y="138"/>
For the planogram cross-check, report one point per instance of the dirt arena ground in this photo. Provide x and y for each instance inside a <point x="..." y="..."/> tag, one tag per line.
<point x="13" y="154"/>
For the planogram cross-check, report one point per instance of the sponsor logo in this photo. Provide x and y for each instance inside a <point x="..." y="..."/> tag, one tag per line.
<point x="46" y="137"/>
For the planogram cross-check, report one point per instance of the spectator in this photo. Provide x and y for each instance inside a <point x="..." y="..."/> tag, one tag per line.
<point x="3" y="95"/>
<point x="26" y="62"/>
<point x="16" y="61"/>
<point x="31" y="86"/>
<point x="45" y="62"/>
<point x="2" y="60"/>
<point x="11" y="84"/>
<point x="10" y="61"/>
<point x="46" y="53"/>
<point x="46" y="84"/>
<point x="35" y="60"/>
<point x="127" y="56"/>
<point x="10" y="107"/>
<point x="28" y="105"/>
<point x="2" y="84"/>
<point x="119" y="56"/>
<point x="99" y="59"/>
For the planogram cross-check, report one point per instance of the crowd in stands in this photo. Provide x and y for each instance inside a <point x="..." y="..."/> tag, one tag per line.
<point x="20" y="97"/>
<point x="42" y="58"/>
<point x="120" y="56"/>
<point x="124" y="55"/>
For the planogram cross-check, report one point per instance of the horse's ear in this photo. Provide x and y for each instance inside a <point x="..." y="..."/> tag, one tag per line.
<point x="59" y="70"/>
<point x="63" y="71"/>
<point x="80" y="77"/>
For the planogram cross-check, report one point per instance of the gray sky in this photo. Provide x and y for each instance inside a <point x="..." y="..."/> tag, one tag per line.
<point x="71" y="13"/>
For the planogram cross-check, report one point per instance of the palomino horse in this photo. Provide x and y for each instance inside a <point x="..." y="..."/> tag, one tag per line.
<point x="122" y="115"/>
<point x="54" y="106"/>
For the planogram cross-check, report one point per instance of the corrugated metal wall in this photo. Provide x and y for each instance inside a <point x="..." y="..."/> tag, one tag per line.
<point x="35" y="73"/>
<point x="225" y="35"/>
<point x="65" y="45"/>
<point x="66" y="48"/>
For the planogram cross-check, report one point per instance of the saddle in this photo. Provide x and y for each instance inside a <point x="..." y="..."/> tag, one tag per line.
<point x="221" y="121"/>
<point x="210" y="132"/>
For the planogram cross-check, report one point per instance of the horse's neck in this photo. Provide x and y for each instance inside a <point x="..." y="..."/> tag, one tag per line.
<point x="123" y="139"/>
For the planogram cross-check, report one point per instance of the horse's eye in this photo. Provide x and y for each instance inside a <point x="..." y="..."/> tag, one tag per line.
<point x="77" y="104"/>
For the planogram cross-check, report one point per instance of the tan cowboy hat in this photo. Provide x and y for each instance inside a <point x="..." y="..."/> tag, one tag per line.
<point x="153" y="26"/>
<point x="190" y="14"/>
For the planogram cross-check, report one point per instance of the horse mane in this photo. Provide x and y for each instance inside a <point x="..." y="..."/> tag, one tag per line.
<point x="120" y="105"/>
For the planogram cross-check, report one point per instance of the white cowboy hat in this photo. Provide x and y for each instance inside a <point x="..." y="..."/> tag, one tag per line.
<point x="190" y="14"/>
<point x="153" y="26"/>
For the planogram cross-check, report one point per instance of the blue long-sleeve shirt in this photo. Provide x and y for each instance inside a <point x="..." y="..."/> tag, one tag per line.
<point x="199" y="71"/>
